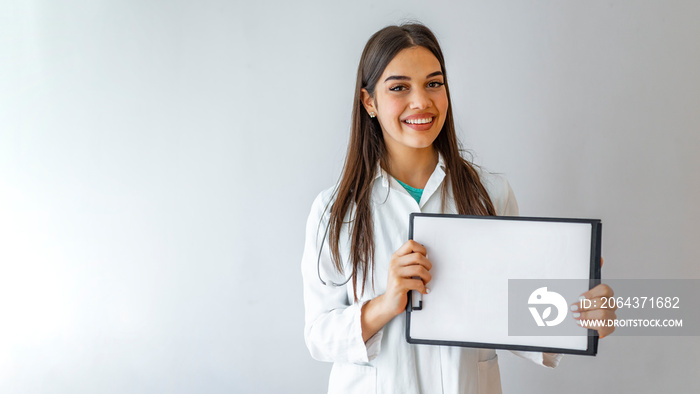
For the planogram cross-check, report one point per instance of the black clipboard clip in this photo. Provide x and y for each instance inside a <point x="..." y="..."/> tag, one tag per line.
<point x="415" y="301"/>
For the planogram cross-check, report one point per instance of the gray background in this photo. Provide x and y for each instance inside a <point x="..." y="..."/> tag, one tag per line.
<point x="158" y="160"/>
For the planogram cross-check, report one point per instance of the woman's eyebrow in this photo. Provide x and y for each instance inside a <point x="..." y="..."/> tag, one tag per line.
<point x="398" y="78"/>
<point x="405" y="78"/>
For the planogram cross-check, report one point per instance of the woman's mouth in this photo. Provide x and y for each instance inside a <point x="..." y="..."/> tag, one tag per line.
<point x="419" y="123"/>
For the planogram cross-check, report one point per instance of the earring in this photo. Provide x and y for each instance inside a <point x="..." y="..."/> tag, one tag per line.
<point x="372" y="114"/>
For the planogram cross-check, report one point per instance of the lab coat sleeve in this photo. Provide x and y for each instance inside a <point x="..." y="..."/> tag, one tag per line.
<point x="333" y="329"/>
<point x="550" y="360"/>
<point x="508" y="206"/>
<point x="500" y="192"/>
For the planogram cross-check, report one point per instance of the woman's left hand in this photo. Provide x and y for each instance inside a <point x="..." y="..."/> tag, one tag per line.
<point x="595" y="311"/>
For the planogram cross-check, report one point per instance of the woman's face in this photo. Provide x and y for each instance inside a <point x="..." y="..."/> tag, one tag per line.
<point x="410" y="100"/>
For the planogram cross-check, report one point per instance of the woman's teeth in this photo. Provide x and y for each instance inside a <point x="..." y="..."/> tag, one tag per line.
<point x="419" y="121"/>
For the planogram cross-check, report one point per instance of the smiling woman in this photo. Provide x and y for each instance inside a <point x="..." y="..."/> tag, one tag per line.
<point x="403" y="157"/>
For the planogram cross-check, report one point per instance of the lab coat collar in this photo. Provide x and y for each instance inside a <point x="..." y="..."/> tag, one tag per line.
<point x="433" y="183"/>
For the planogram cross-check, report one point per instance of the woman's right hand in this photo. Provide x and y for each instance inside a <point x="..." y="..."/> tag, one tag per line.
<point x="408" y="270"/>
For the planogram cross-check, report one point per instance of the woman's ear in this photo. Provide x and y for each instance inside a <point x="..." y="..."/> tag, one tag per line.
<point x="368" y="102"/>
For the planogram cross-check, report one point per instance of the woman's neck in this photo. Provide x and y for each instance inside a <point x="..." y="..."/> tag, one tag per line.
<point x="413" y="167"/>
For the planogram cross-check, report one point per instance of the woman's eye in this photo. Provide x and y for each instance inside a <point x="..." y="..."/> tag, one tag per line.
<point x="398" y="88"/>
<point x="435" y="84"/>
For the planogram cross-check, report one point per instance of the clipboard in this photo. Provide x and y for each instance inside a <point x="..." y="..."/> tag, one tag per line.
<point x="475" y="258"/>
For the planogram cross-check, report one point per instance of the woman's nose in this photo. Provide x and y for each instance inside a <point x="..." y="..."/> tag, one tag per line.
<point x="420" y="99"/>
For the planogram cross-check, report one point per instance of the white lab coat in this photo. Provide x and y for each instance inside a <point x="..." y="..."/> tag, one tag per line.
<point x="386" y="363"/>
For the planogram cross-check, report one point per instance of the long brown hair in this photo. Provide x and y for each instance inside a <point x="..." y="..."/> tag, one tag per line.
<point x="366" y="148"/>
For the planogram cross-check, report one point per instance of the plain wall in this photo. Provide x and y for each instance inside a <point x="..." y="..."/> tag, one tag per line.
<point x="158" y="160"/>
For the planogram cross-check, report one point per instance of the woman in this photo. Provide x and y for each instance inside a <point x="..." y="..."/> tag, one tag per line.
<point x="403" y="157"/>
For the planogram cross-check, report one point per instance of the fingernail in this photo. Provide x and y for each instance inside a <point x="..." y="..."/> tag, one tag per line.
<point x="576" y="314"/>
<point x="427" y="290"/>
<point x="574" y="307"/>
